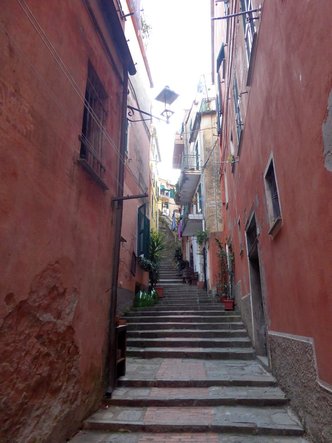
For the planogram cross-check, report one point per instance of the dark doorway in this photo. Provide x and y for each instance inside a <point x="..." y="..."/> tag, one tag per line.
<point x="259" y="324"/>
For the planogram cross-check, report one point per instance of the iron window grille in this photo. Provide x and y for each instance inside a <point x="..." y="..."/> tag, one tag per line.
<point x="94" y="118"/>
<point x="249" y="27"/>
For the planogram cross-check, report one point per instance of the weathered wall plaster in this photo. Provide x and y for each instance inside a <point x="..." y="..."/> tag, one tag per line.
<point x="327" y="136"/>
<point x="39" y="357"/>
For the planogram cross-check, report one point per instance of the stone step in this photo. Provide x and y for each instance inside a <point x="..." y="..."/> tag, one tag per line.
<point x="86" y="436"/>
<point x="243" y="382"/>
<point x="169" y="281"/>
<point x="226" y="353"/>
<point x="185" y="288"/>
<point x="183" y="295"/>
<point x="139" y="312"/>
<point x="173" y="291"/>
<point x="177" y="372"/>
<point x="184" y="308"/>
<point x="198" y="396"/>
<point x="195" y="307"/>
<point x="220" y="419"/>
<point x="192" y="318"/>
<point x="188" y="301"/>
<point x="186" y="342"/>
<point x="187" y="333"/>
<point x="171" y="268"/>
<point x="132" y="325"/>
<point x="192" y="305"/>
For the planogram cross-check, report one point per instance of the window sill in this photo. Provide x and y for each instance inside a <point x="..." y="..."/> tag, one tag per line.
<point x="275" y="227"/>
<point x="85" y="165"/>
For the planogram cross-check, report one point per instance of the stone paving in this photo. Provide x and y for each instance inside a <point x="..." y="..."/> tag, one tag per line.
<point x="206" y="437"/>
<point x="191" y="377"/>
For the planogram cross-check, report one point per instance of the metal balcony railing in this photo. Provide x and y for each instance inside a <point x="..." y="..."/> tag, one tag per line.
<point x="191" y="163"/>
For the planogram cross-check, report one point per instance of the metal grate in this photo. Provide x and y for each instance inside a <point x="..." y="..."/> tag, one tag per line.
<point x="94" y="118"/>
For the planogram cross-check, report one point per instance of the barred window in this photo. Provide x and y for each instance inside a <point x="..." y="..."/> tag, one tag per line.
<point x="94" y="118"/>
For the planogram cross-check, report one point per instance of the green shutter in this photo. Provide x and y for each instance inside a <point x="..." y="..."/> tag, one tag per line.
<point x="143" y="232"/>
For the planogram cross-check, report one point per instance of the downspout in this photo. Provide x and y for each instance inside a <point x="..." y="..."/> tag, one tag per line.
<point x="118" y="206"/>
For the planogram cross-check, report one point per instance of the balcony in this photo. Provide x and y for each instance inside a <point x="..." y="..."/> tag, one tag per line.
<point x="192" y="225"/>
<point x="189" y="178"/>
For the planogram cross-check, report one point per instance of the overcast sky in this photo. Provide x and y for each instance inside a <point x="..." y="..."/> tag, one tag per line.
<point x="179" y="54"/>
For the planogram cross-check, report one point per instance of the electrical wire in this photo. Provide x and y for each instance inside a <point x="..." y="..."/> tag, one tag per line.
<point x="72" y="82"/>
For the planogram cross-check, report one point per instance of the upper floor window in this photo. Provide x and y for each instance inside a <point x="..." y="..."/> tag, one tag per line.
<point x="94" y="118"/>
<point x="272" y="199"/>
<point x="237" y="109"/>
<point x="219" y="106"/>
<point x="249" y="27"/>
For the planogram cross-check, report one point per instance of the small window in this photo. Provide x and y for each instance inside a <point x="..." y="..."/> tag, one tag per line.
<point x="219" y="105"/>
<point x="94" y="118"/>
<point x="272" y="199"/>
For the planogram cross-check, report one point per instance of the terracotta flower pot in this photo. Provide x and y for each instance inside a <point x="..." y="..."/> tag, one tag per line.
<point x="229" y="304"/>
<point x="160" y="291"/>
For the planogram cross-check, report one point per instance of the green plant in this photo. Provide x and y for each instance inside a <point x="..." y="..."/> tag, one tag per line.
<point x="202" y="237"/>
<point x="151" y="264"/>
<point x="145" y="298"/>
<point x="157" y="245"/>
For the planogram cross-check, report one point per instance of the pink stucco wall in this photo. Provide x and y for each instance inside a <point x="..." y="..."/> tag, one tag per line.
<point x="56" y="222"/>
<point x="286" y="108"/>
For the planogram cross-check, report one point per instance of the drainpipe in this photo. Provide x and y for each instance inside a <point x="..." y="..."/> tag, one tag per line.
<point x="118" y="206"/>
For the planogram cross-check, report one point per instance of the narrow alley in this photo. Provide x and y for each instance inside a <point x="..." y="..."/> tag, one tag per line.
<point x="192" y="376"/>
<point x="165" y="221"/>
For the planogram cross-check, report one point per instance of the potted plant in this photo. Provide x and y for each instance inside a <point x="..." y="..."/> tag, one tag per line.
<point x="229" y="304"/>
<point x="226" y="260"/>
<point x="224" y="292"/>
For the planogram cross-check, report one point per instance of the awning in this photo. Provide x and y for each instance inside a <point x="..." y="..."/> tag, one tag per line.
<point x="193" y="224"/>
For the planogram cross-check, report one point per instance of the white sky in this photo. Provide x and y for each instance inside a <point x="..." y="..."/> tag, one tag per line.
<point x="179" y="55"/>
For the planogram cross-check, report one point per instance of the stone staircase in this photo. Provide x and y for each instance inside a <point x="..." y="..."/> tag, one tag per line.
<point x="192" y="376"/>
